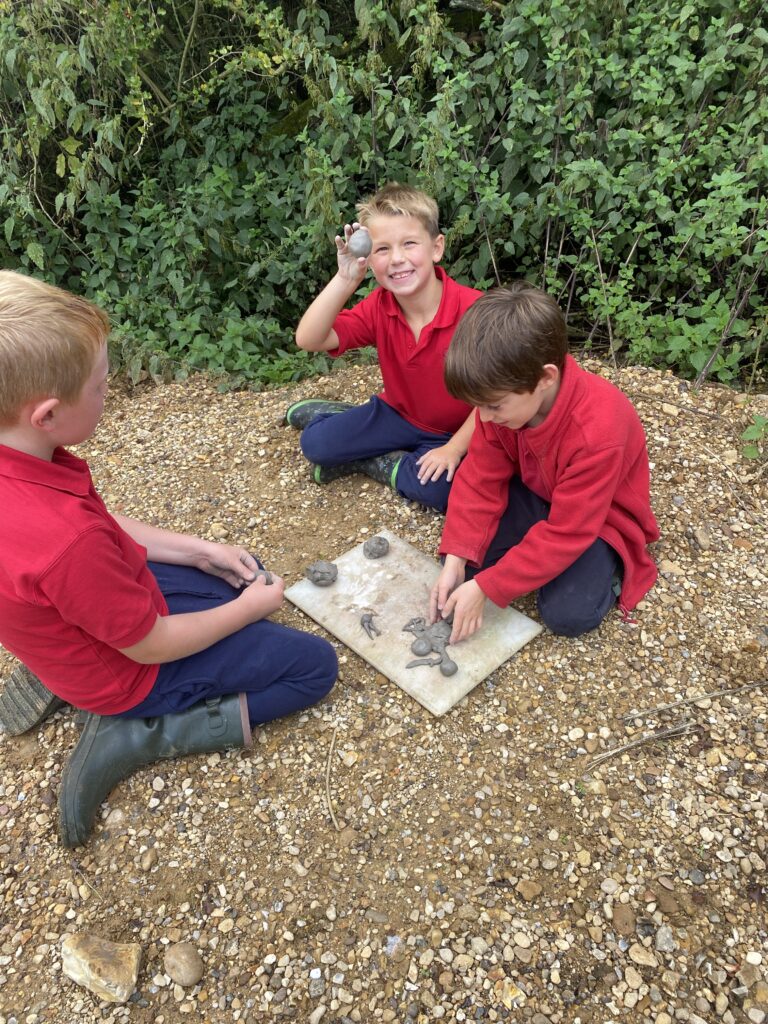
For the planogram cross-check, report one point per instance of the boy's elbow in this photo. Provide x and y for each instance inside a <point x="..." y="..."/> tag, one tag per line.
<point x="148" y="651"/>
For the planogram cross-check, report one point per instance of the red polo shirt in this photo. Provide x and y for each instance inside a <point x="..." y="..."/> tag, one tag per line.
<point x="412" y="372"/>
<point x="74" y="586"/>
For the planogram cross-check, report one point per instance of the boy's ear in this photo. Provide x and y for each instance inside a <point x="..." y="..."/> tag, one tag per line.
<point x="41" y="414"/>
<point x="438" y="248"/>
<point x="550" y="375"/>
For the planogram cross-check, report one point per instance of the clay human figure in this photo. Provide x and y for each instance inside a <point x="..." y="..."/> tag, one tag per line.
<point x="366" y="621"/>
<point x="321" y="573"/>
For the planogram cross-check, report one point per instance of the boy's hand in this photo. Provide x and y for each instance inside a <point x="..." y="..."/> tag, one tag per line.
<point x="351" y="268"/>
<point x="451" y="576"/>
<point x="466" y="605"/>
<point x="263" y="598"/>
<point x="434" y="463"/>
<point x="233" y="564"/>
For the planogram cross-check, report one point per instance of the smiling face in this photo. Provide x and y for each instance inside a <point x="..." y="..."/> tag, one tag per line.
<point x="403" y="254"/>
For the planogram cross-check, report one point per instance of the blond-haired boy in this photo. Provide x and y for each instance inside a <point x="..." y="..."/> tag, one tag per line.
<point x="414" y="434"/>
<point x="171" y="656"/>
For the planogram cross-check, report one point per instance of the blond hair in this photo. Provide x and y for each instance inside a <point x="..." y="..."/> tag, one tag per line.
<point x="396" y="200"/>
<point x="49" y="340"/>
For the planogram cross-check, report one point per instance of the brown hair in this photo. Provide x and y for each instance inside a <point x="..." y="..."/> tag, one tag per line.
<point x="49" y="340"/>
<point x="503" y="342"/>
<point x="396" y="200"/>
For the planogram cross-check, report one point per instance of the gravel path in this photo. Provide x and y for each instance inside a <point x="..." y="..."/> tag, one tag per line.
<point x="486" y="867"/>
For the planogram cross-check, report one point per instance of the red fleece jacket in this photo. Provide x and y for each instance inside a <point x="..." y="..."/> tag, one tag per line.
<point x="589" y="460"/>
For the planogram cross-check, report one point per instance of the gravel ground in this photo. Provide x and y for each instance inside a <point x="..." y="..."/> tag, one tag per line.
<point x="486" y="867"/>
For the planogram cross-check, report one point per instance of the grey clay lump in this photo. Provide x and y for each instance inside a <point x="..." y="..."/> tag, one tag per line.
<point x="376" y="547"/>
<point x="321" y="573"/>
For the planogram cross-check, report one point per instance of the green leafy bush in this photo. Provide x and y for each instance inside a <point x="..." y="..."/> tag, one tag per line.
<point x="188" y="166"/>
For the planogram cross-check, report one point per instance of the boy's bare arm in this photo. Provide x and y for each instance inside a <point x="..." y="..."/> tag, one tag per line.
<point x="315" y="332"/>
<point x="178" y="636"/>
<point x="233" y="564"/>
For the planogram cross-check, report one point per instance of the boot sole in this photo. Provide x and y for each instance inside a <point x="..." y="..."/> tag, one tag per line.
<point x="25" y="702"/>
<point x="68" y="816"/>
<point x="298" y="406"/>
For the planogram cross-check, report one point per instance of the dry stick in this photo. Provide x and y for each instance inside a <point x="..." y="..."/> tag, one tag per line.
<point x="692" y="700"/>
<point x="328" y="779"/>
<point x="649" y="737"/>
<point x="735" y="313"/>
<point x="187" y="45"/>
<point x="677" y="405"/>
<point x="605" y="298"/>
<point x="756" y="519"/>
<point x="91" y="887"/>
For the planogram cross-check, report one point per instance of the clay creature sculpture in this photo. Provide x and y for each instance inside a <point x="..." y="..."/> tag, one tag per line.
<point x="376" y="547"/>
<point x="366" y="621"/>
<point x="321" y="573"/>
<point x="431" y="639"/>
<point x="359" y="243"/>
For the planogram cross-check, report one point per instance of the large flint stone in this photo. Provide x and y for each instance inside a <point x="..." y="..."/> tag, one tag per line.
<point x="108" y="969"/>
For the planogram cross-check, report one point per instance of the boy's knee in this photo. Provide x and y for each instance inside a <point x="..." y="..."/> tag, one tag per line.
<point x="312" y="443"/>
<point x="568" y="618"/>
<point x="326" y="666"/>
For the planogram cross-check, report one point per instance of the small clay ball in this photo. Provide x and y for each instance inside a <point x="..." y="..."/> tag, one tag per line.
<point x="267" y="576"/>
<point x="321" y="573"/>
<point x="376" y="547"/>
<point x="183" y="964"/>
<point x="448" y="667"/>
<point x="359" y="243"/>
<point x="421" y="646"/>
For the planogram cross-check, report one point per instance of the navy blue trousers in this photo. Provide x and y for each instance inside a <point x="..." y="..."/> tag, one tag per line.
<point x="579" y="598"/>
<point x="279" y="669"/>
<point x="332" y="439"/>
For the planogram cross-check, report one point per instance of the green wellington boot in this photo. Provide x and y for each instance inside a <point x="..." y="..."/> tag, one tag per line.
<point x="110" y="748"/>
<point x="25" y="701"/>
<point x="301" y="413"/>
<point x="381" y="468"/>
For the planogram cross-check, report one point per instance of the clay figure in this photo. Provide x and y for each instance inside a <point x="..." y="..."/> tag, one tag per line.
<point x="321" y="573"/>
<point x="428" y="639"/>
<point x="267" y="576"/>
<point x="366" y="621"/>
<point x="376" y="547"/>
<point x="359" y="243"/>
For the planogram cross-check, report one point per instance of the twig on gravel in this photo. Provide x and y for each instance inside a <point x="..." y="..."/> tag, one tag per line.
<point x="649" y="737"/>
<point x="93" y="889"/>
<point x="737" y="494"/>
<point x="337" y="826"/>
<point x="666" y="401"/>
<point x="692" y="700"/>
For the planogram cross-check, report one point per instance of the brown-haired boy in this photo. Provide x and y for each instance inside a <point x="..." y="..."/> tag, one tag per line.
<point x="172" y="656"/>
<point x="414" y="434"/>
<point x="554" y="492"/>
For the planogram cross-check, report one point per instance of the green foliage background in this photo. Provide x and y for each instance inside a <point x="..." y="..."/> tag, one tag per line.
<point x="188" y="165"/>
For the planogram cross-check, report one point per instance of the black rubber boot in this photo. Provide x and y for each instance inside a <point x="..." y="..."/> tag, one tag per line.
<point x="381" y="468"/>
<point x="110" y="748"/>
<point x="25" y="701"/>
<point x="301" y="413"/>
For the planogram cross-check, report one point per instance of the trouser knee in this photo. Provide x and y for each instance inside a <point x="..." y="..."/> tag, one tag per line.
<point x="567" y="618"/>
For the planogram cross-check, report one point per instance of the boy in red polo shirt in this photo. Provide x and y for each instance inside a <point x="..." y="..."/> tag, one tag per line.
<point x="414" y="434"/>
<point x="171" y="656"/>
<point x="554" y="493"/>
